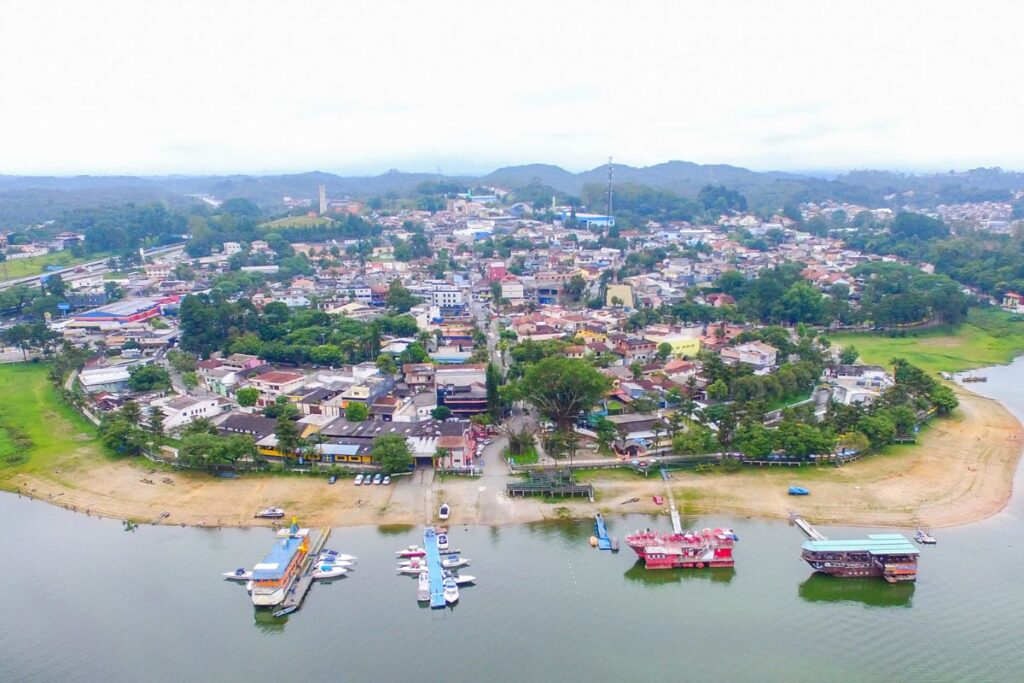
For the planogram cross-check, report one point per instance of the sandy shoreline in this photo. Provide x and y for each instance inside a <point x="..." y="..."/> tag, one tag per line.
<point x="961" y="472"/>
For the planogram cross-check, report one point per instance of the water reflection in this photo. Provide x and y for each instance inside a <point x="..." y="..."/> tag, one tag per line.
<point x="654" y="577"/>
<point x="868" y="592"/>
<point x="266" y="621"/>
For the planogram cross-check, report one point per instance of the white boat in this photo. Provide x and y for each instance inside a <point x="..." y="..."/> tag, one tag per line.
<point x="453" y="562"/>
<point x="411" y="551"/>
<point x="328" y="571"/>
<point x="248" y="586"/>
<point x="413" y="566"/>
<point x="451" y="591"/>
<point x="335" y="556"/>
<point x="270" y="513"/>
<point x="443" y="512"/>
<point x="464" y="579"/>
<point x="423" y="588"/>
<point x="240" y="574"/>
<point x="442" y="542"/>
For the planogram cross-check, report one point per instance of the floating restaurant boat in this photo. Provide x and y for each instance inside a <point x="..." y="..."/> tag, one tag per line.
<point x="890" y="556"/>
<point x="697" y="550"/>
<point x="272" y="577"/>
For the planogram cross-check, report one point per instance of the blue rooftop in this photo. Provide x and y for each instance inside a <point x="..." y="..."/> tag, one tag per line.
<point x="277" y="560"/>
<point x="876" y="544"/>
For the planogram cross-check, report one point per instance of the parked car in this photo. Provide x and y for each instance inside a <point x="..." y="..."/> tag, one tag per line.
<point x="387" y="479"/>
<point x="359" y="479"/>
<point x="332" y="479"/>
<point x="378" y="478"/>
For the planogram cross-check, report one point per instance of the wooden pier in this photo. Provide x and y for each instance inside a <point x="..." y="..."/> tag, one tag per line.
<point x="303" y="580"/>
<point x="806" y="527"/>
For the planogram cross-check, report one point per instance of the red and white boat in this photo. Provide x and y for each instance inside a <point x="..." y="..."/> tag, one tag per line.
<point x="690" y="550"/>
<point x="411" y="551"/>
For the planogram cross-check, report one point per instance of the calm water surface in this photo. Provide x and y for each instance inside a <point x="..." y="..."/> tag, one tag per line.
<point x="86" y="601"/>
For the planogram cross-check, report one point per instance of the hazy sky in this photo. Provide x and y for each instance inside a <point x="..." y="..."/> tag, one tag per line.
<point x="351" y="86"/>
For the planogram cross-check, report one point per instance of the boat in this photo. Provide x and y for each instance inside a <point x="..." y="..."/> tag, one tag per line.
<point x="658" y="500"/>
<point x="270" y="513"/>
<point x="411" y="551"/>
<point x="416" y="565"/>
<point x="443" y="512"/>
<point x="798" y="491"/>
<point x="285" y="612"/>
<point x="335" y="556"/>
<point x="451" y="590"/>
<point x="442" y="541"/>
<point x="240" y="574"/>
<point x="423" y="587"/>
<point x="688" y="550"/>
<point x="890" y="556"/>
<point x="463" y="580"/>
<point x="329" y="571"/>
<point x="272" y="577"/>
<point x="924" y="538"/>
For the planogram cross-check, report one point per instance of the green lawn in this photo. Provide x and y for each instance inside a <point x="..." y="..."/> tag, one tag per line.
<point x="989" y="337"/>
<point x="527" y="458"/>
<point x="297" y="222"/>
<point x="26" y="267"/>
<point x="38" y="431"/>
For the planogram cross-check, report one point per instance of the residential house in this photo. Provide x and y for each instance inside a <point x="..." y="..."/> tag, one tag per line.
<point x="275" y="383"/>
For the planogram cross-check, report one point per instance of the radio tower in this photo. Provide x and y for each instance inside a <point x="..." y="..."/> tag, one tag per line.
<point x="609" y="213"/>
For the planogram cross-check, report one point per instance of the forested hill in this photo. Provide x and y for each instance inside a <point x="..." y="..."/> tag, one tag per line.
<point x="28" y="200"/>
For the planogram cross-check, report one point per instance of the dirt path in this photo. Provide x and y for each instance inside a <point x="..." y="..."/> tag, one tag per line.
<point x="961" y="472"/>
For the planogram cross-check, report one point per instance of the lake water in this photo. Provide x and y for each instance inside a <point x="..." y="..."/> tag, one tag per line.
<point x="84" y="600"/>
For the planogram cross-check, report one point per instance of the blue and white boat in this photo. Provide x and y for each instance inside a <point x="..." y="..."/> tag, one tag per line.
<point x="798" y="491"/>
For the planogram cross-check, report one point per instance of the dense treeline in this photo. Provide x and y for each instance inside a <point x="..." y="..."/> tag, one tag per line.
<point x="124" y="228"/>
<point x="280" y="335"/>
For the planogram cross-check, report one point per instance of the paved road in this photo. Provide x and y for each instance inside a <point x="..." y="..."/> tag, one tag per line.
<point x="33" y="280"/>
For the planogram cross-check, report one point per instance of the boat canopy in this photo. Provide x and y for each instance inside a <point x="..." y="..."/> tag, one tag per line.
<point x="877" y="544"/>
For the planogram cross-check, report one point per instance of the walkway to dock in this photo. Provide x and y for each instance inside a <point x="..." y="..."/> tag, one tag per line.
<point x="603" y="542"/>
<point x="434" y="568"/>
<point x="296" y="592"/>
<point x="806" y="527"/>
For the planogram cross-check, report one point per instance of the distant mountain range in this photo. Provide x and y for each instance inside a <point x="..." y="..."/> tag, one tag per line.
<point x="26" y="200"/>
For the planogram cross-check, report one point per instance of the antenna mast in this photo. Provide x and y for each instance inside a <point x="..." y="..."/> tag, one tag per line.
<point x="609" y="188"/>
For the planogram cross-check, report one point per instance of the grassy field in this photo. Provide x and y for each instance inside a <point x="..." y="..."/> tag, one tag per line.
<point x="989" y="337"/>
<point x="39" y="433"/>
<point x="297" y="222"/>
<point x="26" y="267"/>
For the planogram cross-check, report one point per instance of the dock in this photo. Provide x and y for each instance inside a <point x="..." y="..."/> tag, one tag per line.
<point x="677" y="525"/>
<point x="807" y="527"/>
<point x="603" y="542"/>
<point x="434" y="568"/>
<point x="304" y="578"/>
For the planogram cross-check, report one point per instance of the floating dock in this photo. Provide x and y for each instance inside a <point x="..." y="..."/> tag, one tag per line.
<point x="434" y="568"/>
<point x="603" y="542"/>
<point x="677" y="525"/>
<point x="807" y="528"/>
<point x="296" y="592"/>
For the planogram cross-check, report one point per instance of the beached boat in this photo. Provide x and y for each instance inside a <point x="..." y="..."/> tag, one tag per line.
<point x="272" y="577"/>
<point x="240" y="574"/>
<point x="890" y="556"/>
<point x="696" y="550"/>
<point x="270" y="513"/>
<point x="329" y="571"/>
<point x="411" y="551"/>
<point x="423" y="587"/>
<point x="451" y="590"/>
<point x="443" y="512"/>
<point x="924" y="538"/>
<point x="798" y="491"/>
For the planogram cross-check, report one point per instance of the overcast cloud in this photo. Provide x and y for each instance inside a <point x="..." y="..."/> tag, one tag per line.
<point x="345" y="86"/>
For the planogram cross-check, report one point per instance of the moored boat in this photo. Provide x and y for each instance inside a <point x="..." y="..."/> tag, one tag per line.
<point x="924" y="538"/>
<point x="240" y="574"/>
<point x="329" y="571"/>
<point x="411" y="551"/>
<point x="423" y="587"/>
<point x="442" y="541"/>
<point x="451" y="590"/>
<point x="890" y="556"/>
<point x="696" y="550"/>
<point x="272" y="577"/>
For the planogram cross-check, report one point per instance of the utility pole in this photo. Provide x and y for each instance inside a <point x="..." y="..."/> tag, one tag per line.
<point x="609" y="213"/>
